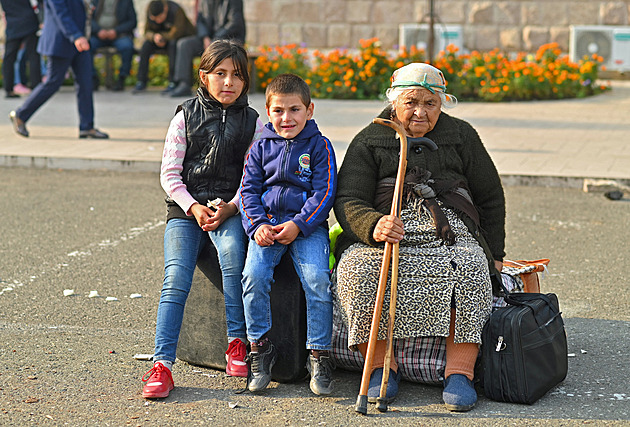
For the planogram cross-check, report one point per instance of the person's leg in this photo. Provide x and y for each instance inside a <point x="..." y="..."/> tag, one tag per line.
<point x="310" y="258"/>
<point x="460" y="358"/>
<point x="8" y="65"/>
<point x="187" y="49"/>
<point x="34" y="60"/>
<point x="230" y="242"/>
<point x="20" y="68"/>
<point x="96" y="43"/>
<point x="376" y="376"/>
<point x="55" y="76"/>
<point x="183" y="241"/>
<point x="378" y="360"/>
<point x="171" y="51"/>
<point x="459" y="393"/>
<point x="82" y="67"/>
<point x="124" y="46"/>
<point x="257" y="281"/>
<point x="148" y="48"/>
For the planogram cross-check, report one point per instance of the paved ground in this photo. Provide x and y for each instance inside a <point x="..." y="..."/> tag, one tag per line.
<point x="561" y="140"/>
<point x="69" y="360"/>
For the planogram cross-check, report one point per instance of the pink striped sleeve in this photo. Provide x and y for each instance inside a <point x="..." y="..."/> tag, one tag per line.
<point x="173" y="161"/>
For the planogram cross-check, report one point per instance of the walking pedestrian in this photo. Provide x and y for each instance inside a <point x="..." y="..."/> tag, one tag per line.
<point x="66" y="45"/>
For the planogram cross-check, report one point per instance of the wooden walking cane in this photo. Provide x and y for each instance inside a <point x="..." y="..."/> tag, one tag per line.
<point x="361" y="405"/>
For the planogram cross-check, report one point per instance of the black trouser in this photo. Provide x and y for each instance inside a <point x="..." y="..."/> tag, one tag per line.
<point x="10" y="55"/>
<point x="148" y="49"/>
<point x="187" y="49"/>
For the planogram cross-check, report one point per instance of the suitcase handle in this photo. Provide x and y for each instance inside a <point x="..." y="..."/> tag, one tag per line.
<point x="538" y="297"/>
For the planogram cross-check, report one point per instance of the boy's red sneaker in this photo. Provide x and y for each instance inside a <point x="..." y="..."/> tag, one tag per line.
<point x="235" y="356"/>
<point x="159" y="382"/>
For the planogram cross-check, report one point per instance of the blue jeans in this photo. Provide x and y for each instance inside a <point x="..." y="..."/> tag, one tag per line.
<point x="310" y="258"/>
<point x="184" y="240"/>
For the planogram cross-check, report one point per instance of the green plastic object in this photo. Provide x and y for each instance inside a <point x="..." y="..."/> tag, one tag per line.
<point x="333" y="232"/>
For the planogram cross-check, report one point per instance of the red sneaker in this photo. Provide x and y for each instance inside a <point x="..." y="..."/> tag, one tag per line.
<point x="235" y="356"/>
<point x="159" y="382"/>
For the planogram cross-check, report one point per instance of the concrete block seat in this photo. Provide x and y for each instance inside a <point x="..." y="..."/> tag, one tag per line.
<point x="203" y="339"/>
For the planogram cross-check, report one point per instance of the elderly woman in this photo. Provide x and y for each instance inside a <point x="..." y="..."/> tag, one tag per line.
<point x="444" y="287"/>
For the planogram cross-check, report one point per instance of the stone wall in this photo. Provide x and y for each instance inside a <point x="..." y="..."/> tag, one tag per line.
<point x="511" y="25"/>
<point x="508" y="24"/>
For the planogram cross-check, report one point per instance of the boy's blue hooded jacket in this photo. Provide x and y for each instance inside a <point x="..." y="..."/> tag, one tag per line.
<point x="288" y="180"/>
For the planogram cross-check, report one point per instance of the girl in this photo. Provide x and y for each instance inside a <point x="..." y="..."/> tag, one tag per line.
<point x="203" y="158"/>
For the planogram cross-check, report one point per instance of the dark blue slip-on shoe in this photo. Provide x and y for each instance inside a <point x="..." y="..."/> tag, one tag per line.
<point x="459" y="394"/>
<point x="374" y="390"/>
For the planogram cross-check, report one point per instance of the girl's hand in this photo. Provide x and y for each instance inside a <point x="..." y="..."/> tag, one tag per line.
<point x="202" y="214"/>
<point x="498" y="265"/>
<point x="389" y="229"/>
<point x="264" y="235"/>
<point x="223" y="212"/>
<point x="287" y="232"/>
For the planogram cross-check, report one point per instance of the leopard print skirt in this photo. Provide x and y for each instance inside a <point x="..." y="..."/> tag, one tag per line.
<point x="431" y="277"/>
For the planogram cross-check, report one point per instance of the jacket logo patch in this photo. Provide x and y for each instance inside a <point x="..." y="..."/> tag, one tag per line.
<point x="304" y="172"/>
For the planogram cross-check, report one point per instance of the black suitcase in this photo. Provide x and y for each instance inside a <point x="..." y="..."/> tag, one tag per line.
<point x="524" y="351"/>
<point x="203" y="339"/>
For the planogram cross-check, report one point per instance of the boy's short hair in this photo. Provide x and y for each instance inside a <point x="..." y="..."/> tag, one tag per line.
<point x="288" y="84"/>
<point x="156" y="7"/>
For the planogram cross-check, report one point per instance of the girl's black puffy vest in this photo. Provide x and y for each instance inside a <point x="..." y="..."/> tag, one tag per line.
<point x="217" y="140"/>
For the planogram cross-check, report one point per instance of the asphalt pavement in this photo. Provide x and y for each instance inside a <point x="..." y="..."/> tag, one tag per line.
<point x="73" y="221"/>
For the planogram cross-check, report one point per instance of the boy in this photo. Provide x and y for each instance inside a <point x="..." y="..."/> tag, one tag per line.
<point x="287" y="191"/>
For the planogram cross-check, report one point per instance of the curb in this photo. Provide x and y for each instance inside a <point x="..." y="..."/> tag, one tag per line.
<point x="41" y="162"/>
<point x="588" y="184"/>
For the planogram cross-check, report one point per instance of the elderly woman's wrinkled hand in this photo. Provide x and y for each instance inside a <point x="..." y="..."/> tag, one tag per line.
<point x="389" y="229"/>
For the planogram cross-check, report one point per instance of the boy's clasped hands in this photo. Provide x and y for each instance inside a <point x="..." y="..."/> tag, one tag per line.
<point x="285" y="233"/>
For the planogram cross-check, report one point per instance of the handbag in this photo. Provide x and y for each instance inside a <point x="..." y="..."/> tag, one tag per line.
<point x="524" y="350"/>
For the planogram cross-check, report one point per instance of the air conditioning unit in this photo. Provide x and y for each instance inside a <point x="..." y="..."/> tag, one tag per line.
<point x="418" y="35"/>
<point x="611" y="43"/>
